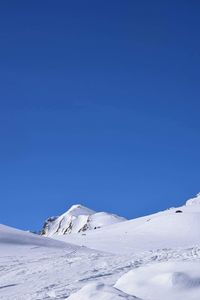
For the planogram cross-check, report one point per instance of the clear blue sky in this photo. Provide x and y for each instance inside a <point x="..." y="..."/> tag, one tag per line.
<point x="99" y="105"/>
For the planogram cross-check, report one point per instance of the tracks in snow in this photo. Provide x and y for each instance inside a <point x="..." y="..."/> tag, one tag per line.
<point x="55" y="274"/>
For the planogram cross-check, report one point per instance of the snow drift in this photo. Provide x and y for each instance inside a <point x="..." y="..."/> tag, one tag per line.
<point x="165" y="281"/>
<point x="100" y="291"/>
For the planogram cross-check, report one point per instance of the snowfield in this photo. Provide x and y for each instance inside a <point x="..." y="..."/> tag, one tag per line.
<point x="150" y="258"/>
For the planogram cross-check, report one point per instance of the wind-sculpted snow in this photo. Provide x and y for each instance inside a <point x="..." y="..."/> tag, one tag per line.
<point x="174" y="281"/>
<point x="101" y="292"/>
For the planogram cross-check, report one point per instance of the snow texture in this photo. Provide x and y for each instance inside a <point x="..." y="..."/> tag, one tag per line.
<point x="101" y="292"/>
<point x="177" y="280"/>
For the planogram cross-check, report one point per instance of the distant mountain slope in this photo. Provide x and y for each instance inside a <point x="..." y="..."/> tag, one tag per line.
<point x="172" y="228"/>
<point x="78" y="219"/>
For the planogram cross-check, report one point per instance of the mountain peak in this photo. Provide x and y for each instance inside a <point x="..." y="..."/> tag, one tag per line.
<point x="78" y="219"/>
<point x="78" y="209"/>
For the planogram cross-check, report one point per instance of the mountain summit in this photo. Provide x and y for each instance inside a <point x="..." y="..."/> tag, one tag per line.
<point x="78" y="219"/>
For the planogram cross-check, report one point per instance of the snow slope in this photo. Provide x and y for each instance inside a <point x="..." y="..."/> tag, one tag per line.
<point x="36" y="268"/>
<point x="78" y="219"/>
<point x="149" y="258"/>
<point x="41" y="273"/>
<point x="13" y="237"/>
<point x="176" y="227"/>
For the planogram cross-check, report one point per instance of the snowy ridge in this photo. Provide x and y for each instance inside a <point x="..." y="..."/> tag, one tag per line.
<point x="78" y="219"/>
<point x="193" y="201"/>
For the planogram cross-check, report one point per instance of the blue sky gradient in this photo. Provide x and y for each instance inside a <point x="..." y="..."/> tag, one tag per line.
<point x="99" y="105"/>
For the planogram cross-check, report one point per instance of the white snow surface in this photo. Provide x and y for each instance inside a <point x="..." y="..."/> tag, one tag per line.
<point x="150" y="258"/>
<point x="174" y="280"/>
<point x="78" y="219"/>
<point x="13" y="237"/>
<point x="100" y="291"/>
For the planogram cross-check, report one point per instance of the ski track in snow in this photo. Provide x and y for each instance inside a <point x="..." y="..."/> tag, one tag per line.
<point x="55" y="274"/>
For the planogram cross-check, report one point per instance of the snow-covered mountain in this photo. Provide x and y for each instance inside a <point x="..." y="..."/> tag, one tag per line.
<point x="78" y="219"/>
<point x="158" y="257"/>
<point x="175" y="227"/>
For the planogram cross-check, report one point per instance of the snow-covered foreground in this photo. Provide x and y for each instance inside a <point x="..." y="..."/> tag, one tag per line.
<point x="37" y="272"/>
<point x="150" y="258"/>
<point x="40" y="268"/>
<point x="171" y="280"/>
